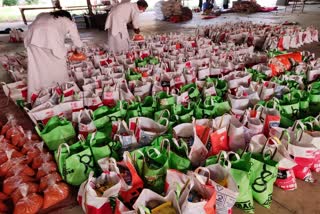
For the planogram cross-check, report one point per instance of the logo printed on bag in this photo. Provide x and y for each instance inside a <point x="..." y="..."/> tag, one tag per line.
<point x="86" y="159"/>
<point x="244" y="205"/>
<point x="268" y="201"/>
<point x="274" y="124"/>
<point x="260" y="184"/>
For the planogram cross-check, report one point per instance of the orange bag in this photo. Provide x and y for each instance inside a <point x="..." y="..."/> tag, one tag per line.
<point x="30" y="204"/>
<point x="20" y="169"/>
<point x="138" y="37"/>
<point x="7" y="153"/>
<point x="4" y="168"/>
<point x="17" y="194"/>
<point x="282" y="63"/>
<point x="55" y="193"/>
<point x="40" y="159"/>
<point x="46" y="168"/>
<point x="12" y="183"/>
<point x="50" y="179"/>
<point x="77" y="57"/>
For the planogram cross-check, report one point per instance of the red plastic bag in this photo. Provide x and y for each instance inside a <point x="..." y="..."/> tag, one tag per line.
<point x="50" y="179"/>
<point x="12" y="183"/>
<point x="46" y="168"/>
<point x="219" y="141"/>
<point x="30" y="204"/>
<point x="55" y="193"/>
<point x="282" y="63"/>
<point x="42" y="158"/>
<point x="7" y="152"/>
<point x="4" y="168"/>
<point x="30" y="188"/>
<point x="20" y="169"/>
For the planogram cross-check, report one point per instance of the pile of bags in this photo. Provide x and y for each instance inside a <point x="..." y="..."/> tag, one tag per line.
<point x="245" y="7"/>
<point x="172" y="11"/>
<point x="29" y="174"/>
<point x="180" y="123"/>
<point x="265" y="37"/>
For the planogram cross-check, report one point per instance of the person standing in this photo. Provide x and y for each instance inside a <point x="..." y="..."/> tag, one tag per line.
<point x="45" y="43"/>
<point x="116" y="24"/>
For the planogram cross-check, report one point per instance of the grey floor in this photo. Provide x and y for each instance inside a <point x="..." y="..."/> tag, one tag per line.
<point x="306" y="199"/>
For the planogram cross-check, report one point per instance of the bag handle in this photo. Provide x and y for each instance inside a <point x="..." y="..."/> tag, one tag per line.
<point x="272" y="154"/>
<point x="198" y="171"/>
<point x="162" y="144"/>
<point x="63" y="174"/>
<point x="284" y="133"/>
<point x="186" y="148"/>
<point x="106" y="164"/>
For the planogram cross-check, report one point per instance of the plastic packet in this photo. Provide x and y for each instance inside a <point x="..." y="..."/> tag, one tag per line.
<point x="17" y="136"/>
<point x="11" y="122"/>
<point x="55" y="193"/>
<point x="49" y="179"/>
<point x="29" y="187"/>
<point x="46" y="168"/>
<point x="40" y="159"/>
<point x="29" y="204"/>
<point x="20" y="169"/>
<point x="4" y="168"/>
<point x="12" y="183"/>
<point x="7" y="152"/>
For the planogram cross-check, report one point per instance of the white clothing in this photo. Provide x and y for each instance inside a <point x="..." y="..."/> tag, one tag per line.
<point x="49" y="32"/>
<point x="47" y="53"/>
<point x="117" y="43"/>
<point x="44" y="69"/>
<point x="120" y="15"/>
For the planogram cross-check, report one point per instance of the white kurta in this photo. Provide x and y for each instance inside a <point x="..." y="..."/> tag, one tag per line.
<point x="44" y="41"/>
<point x="120" y="15"/>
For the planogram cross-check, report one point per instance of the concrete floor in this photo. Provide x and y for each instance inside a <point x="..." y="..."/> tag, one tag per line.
<point x="306" y="199"/>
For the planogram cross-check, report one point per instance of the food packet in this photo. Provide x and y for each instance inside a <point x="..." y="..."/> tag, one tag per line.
<point x="11" y="122"/>
<point x="7" y="152"/>
<point x="46" y="168"/>
<point x="20" y="169"/>
<point x="42" y="158"/>
<point x="29" y="204"/>
<point x="29" y="187"/>
<point x="12" y="183"/>
<point x="55" y="193"/>
<point x="4" y="168"/>
<point x="49" y="179"/>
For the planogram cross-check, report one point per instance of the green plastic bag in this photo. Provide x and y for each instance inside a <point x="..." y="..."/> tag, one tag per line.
<point x="256" y="75"/>
<point x="152" y="168"/>
<point x="132" y="75"/>
<point x="193" y="91"/>
<point x="183" y="114"/>
<point x="240" y="171"/>
<point x="147" y="107"/>
<point x="75" y="162"/>
<point x="264" y="172"/>
<point x="220" y="85"/>
<point x="204" y="109"/>
<point x="220" y="106"/>
<point x="314" y="97"/>
<point x="56" y="132"/>
<point x="165" y="101"/>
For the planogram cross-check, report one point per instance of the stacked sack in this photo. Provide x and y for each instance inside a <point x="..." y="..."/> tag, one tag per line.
<point x="172" y="11"/>
<point x="30" y="179"/>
